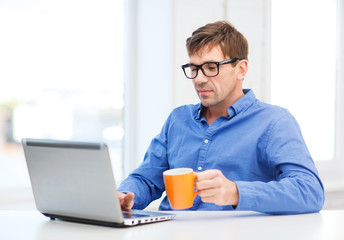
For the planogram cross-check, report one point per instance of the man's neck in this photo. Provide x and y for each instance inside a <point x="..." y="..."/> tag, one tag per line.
<point x="212" y="113"/>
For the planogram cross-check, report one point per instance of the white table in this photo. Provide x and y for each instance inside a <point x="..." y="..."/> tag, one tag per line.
<point x="326" y="225"/>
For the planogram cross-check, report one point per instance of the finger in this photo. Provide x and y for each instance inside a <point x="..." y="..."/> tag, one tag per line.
<point x="207" y="193"/>
<point x="206" y="184"/>
<point x="210" y="199"/>
<point x="208" y="196"/>
<point x="127" y="200"/>
<point x="121" y="195"/>
<point x="129" y="197"/>
<point x="208" y="174"/>
<point x="209" y="183"/>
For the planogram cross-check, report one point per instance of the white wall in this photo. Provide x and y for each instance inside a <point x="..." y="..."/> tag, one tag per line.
<point x="187" y="17"/>
<point x="148" y="78"/>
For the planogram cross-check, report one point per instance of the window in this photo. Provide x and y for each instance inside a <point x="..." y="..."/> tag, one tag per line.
<point x="304" y="69"/>
<point x="61" y="71"/>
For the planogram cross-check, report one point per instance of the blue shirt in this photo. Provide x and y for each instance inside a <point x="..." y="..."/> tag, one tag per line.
<point x="258" y="146"/>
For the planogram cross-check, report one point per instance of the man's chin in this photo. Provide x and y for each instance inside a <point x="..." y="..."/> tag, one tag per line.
<point x="205" y="101"/>
<point x="206" y="104"/>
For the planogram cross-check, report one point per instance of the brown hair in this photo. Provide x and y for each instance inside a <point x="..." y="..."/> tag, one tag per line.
<point x="232" y="43"/>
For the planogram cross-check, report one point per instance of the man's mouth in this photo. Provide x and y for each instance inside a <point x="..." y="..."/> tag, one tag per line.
<point x="204" y="91"/>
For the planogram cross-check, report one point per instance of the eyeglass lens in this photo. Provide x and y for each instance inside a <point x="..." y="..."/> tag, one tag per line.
<point x="208" y="69"/>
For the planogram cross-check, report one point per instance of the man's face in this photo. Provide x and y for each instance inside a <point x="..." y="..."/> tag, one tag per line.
<point x="222" y="90"/>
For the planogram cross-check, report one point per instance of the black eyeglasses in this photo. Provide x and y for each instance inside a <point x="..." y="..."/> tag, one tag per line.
<point x="209" y="69"/>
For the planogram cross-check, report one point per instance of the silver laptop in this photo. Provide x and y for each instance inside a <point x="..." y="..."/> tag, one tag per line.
<point x="74" y="181"/>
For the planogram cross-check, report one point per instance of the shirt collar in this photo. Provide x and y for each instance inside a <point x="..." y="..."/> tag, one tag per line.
<point x="243" y="103"/>
<point x="199" y="111"/>
<point x="239" y="106"/>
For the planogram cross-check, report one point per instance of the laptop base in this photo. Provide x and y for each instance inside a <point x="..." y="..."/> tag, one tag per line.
<point x="127" y="222"/>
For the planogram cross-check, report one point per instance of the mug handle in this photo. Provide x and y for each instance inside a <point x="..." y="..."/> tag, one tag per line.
<point x="195" y="176"/>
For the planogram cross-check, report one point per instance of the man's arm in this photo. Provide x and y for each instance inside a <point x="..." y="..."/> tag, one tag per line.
<point x="146" y="181"/>
<point x="296" y="191"/>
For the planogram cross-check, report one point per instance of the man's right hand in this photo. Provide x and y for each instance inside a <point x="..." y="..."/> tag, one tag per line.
<point x="126" y="200"/>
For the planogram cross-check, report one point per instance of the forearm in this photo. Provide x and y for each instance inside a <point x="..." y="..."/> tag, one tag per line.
<point x="300" y="193"/>
<point x="144" y="190"/>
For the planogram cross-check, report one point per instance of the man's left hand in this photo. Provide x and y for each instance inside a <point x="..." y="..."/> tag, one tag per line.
<point x="214" y="187"/>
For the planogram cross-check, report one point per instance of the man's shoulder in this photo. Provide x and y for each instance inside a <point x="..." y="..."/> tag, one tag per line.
<point x="186" y="109"/>
<point x="271" y="107"/>
<point x="270" y="110"/>
<point x="184" y="113"/>
<point x="250" y="104"/>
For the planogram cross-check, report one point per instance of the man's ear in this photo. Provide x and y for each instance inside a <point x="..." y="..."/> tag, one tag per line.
<point x="242" y="69"/>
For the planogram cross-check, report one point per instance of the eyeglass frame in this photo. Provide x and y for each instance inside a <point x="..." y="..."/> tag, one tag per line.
<point x="198" y="67"/>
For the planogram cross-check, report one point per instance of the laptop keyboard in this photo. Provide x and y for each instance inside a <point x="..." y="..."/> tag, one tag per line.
<point x="127" y="214"/>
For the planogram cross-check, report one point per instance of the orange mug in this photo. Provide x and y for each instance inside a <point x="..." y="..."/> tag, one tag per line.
<point x="180" y="187"/>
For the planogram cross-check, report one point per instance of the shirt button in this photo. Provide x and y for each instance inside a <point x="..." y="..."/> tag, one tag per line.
<point x="206" y="141"/>
<point x="199" y="168"/>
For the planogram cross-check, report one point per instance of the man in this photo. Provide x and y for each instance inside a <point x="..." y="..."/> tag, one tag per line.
<point x="249" y="155"/>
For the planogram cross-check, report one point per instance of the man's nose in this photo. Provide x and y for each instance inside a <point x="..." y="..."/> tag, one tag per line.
<point x="201" y="78"/>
